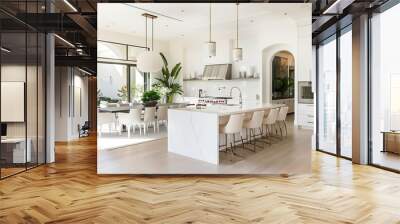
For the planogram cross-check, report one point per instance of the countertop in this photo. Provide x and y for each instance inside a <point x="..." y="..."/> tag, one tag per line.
<point x="223" y="110"/>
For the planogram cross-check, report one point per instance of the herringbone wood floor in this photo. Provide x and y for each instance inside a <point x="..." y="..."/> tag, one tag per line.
<point x="69" y="191"/>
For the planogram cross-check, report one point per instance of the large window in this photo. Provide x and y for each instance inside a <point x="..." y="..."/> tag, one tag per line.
<point x="346" y="93"/>
<point x="327" y="96"/>
<point x="112" y="82"/>
<point x="118" y="78"/>
<point x="385" y="89"/>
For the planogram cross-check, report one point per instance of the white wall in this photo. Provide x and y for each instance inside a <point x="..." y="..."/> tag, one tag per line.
<point x="68" y="81"/>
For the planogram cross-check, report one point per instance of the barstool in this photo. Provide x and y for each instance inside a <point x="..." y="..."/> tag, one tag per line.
<point x="256" y="122"/>
<point x="281" y="119"/>
<point x="270" y="121"/>
<point x="233" y="127"/>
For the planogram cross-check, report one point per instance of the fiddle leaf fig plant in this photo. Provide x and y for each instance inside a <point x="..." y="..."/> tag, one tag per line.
<point x="169" y="80"/>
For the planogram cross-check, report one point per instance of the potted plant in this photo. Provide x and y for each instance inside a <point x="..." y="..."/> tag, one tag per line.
<point x="150" y="98"/>
<point x="169" y="80"/>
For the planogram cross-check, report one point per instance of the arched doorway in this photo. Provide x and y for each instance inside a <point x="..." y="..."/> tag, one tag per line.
<point x="283" y="78"/>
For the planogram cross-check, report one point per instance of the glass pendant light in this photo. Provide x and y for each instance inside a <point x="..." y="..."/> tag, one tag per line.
<point x="149" y="61"/>
<point x="237" y="52"/>
<point x="211" y="45"/>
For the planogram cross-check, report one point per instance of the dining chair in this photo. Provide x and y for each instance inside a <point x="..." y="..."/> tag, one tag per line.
<point x="105" y="119"/>
<point x="149" y="118"/>
<point x="162" y="116"/>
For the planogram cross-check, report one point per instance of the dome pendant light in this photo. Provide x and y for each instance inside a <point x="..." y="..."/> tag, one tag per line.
<point x="211" y="45"/>
<point x="149" y="61"/>
<point x="237" y="52"/>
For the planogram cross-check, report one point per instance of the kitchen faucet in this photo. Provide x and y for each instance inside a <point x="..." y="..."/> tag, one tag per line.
<point x="240" y="95"/>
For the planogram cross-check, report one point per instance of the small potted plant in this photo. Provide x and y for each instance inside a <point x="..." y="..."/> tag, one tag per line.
<point x="150" y="98"/>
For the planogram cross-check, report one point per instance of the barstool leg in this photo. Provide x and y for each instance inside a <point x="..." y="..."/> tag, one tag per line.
<point x="284" y="122"/>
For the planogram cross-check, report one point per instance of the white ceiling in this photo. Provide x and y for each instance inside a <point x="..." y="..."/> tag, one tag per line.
<point x="183" y="19"/>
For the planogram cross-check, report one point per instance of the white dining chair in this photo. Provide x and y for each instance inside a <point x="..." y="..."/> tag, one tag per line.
<point x="232" y="128"/>
<point x="252" y="125"/>
<point x="149" y="118"/>
<point x="105" y="119"/>
<point x="162" y="116"/>
<point x="132" y="120"/>
<point x="281" y="119"/>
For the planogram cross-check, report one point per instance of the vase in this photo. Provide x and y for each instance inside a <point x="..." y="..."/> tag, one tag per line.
<point x="170" y="98"/>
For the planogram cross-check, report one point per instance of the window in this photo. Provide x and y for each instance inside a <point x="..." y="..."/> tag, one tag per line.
<point x="346" y="93"/>
<point x="385" y="89"/>
<point x="327" y="96"/>
<point x="112" y="82"/>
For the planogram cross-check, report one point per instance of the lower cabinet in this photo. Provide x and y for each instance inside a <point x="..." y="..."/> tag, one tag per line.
<point x="305" y="115"/>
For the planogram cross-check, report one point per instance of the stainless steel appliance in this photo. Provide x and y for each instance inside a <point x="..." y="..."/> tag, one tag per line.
<point x="306" y="94"/>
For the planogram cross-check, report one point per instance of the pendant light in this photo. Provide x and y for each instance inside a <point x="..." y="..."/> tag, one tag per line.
<point x="149" y="61"/>
<point x="211" y="45"/>
<point x="237" y="52"/>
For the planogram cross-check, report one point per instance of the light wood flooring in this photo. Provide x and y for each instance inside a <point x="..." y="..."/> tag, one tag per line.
<point x="288" y="155"/>
<point x="70" y="191"/>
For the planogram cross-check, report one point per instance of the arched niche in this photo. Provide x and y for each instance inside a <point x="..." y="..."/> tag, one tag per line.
<point x="268" y="55"/>
<point x="283" y="79"/>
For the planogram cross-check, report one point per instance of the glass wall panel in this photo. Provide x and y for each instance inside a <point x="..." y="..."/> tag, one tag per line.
<point x="111" y="51"/>
<point x="112" y="82"/>
<point x="346" y="94"/>
<point x="31" y="98"/>
<point x="13" y="121"/>
<point x="137" y="84"/>
<point x="133" y="52"/>
<point x="41" y="79"/>
<point x="22" y="66"/>
<point x="385" y="89"/>
<point x="327" y="96"/>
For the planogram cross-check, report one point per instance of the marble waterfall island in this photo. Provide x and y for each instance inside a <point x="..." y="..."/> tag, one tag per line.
<point x="194" y="132"/>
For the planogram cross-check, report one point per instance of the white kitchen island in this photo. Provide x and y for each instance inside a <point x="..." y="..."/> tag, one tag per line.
<point x="194" y="132"/>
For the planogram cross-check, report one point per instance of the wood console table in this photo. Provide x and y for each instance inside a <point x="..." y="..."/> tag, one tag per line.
<point x="391" y="141"/>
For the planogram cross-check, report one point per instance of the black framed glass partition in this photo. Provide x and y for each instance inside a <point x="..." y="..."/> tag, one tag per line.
<point x="327" y="93"/>
<point x="384" y="113"/>
<point x="22" y="76"/>
<point x="334" y="94"/>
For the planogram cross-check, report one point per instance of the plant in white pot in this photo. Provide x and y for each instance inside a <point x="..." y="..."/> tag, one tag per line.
<point x="169" y="80"/>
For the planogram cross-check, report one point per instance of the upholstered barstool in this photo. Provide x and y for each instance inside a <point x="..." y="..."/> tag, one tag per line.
<point x="254" y="124"/>
<point x="281" y="119"/>
<point x="270" y="121"/>
<point x="232" y="128"/>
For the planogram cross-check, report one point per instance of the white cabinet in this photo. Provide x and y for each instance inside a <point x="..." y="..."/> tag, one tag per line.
<point x="305" y="115"/>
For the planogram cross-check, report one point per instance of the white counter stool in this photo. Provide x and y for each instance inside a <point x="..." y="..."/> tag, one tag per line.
<point x="270" y="121"/>
<point x="162" y="116"/>
<point x="105" y="119"/>
<point x="256" y="122"/>
<point x="233" y="127"/>
<point x="281" y="119"/>
<point x="149" y="118"/>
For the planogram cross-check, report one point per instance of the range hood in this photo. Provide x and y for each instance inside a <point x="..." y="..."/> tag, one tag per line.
<point x="217" y="72"/>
